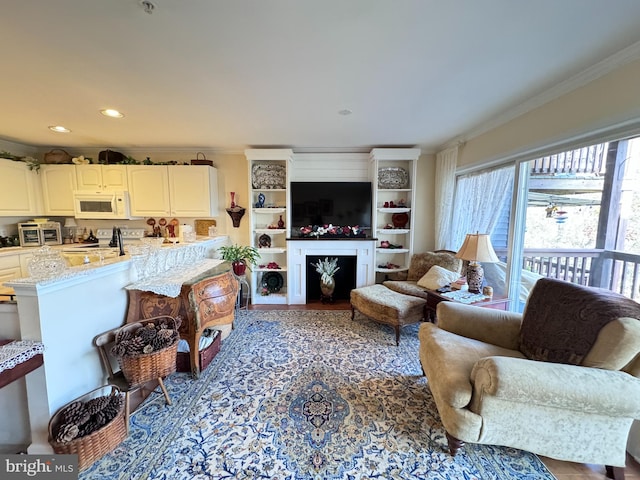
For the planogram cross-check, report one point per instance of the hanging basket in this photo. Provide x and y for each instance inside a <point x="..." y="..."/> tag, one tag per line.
<point x="142" y="368"/>
<point x="97" y="444"/>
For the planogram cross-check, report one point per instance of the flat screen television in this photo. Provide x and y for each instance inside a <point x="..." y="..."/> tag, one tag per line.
<point x="338" y="203"/>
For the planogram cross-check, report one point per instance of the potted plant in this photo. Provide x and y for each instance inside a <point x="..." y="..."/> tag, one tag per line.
<point x="327" y="268"/>
<point x="239" y="256"/>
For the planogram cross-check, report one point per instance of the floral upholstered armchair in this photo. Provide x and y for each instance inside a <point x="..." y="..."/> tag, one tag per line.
<point x="559" y="380"/>
<point x="421" y="263"/>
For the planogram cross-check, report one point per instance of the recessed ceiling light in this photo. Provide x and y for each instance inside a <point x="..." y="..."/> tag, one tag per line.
<point x="110" y="112"/>
<point x="59" y="129"/>
<point x="346" y="111"/>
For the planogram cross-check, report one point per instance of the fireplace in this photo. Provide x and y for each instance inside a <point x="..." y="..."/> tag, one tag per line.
<point x="345" y="277"/>
<point x="361" y="252"/>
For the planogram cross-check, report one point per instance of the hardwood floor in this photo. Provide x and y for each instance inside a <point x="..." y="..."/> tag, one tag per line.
<point x="561" y="470"/>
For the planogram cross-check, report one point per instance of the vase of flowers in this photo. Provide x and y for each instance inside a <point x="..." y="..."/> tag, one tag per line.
<point x="327" y="269"/>
<point x="239" y="256"/>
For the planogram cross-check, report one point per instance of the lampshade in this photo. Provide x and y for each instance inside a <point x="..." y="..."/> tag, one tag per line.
<point x="70" y="223"/>
<point x="477" y="248"/>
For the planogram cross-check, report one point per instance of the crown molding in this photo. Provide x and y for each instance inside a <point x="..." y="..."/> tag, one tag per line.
<point x="598" y="70"/>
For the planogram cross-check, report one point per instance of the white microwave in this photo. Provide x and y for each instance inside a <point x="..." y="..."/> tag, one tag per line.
<point x="104" y="204"/>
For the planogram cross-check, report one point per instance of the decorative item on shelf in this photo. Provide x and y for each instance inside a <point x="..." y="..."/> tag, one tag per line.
<point x="239" y="256"/>
<point x="272" y="281"/>
<point x="561" y="216"/>
<point x="476" y="248"/>
<point x="268" y="176"/>
<point x="392" y="177"/>
<point x="261" y="199"/>
<point x="327" y="269"/>
<point x="236" y="215"/>
<point x="201" y="161"/>
<point x="281" y="222"/>
<point x="264" y="241"/>
<point x="332" y="231"/>
<point x="57" y="156"/>
<point x="233" y="200"/>
<point x="400" y="220"/>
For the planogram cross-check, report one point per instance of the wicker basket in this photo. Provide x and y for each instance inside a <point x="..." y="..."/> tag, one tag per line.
<point x="142" y="368"/>
<point x="97" y="444"/>
<point x="57" y="156"/>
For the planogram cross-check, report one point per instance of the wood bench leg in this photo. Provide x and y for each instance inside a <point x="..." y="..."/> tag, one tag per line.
<point x="397" y="327"/>
<point x="353" y="312"/>
<point x="164" y="390"/>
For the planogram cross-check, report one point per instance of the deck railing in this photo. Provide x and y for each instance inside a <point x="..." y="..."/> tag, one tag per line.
<point x="588" y="160"/>
<point x="613" y="270"/>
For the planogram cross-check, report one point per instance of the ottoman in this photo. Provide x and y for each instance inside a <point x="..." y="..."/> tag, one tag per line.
<point x="383" y="305"/>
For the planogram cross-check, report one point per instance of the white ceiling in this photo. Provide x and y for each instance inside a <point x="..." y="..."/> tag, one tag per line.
<point x="229" y="74"/>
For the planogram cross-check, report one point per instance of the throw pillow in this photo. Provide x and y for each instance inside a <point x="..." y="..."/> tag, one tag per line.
<point x="437" y="277"/>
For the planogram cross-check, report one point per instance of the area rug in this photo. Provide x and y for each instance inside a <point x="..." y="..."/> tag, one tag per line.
<point x="304" y="395"/>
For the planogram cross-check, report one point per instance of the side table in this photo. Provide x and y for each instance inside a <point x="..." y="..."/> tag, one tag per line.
<point x="434" y="298"/>
<point x="243" y="287"/>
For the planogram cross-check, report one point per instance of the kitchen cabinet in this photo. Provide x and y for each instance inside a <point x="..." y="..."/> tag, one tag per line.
<point x="269" y="222"/>
<point x="9" y="268"/>
<point x="149" y="190"/>
<point x="193" y="190"/>
<point x="394" y="198"/>
<point x="102" y="177"/>
<point x="58" y="184"/>
<point x="18" y="195"/>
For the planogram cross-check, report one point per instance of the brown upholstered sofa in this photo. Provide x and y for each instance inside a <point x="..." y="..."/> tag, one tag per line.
<point x="420" y="264"/>
<point x="560" y="380"/>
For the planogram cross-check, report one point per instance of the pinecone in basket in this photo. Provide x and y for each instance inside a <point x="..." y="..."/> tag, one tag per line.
<point x="97" y="404"/>
<point x="89" y="427"/>
<point x="134" y="346"/>
<point x="67" y="432"/>
<point x="75" y="413"/>
<point x="111" y="410"/>
<point x="147" y="334"/>
<point x="119" y="349"/>
<point x="123" y="335"/>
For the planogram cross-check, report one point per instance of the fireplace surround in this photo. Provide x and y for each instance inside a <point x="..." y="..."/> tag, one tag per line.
<point x="363" y="250"/>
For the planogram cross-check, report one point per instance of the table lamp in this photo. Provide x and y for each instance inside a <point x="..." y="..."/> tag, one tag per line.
<point x="476" y="248"/>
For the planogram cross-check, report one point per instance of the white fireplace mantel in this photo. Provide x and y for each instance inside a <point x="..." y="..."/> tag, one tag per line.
<point x="297" y="251"/>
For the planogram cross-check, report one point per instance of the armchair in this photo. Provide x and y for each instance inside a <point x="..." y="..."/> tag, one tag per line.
<point x="560" y="380"/>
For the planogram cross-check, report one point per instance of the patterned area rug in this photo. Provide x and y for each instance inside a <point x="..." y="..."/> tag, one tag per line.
<point x="304" y="395"/>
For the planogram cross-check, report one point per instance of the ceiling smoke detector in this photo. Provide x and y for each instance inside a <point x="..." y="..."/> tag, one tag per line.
<point x="147" y="6"/>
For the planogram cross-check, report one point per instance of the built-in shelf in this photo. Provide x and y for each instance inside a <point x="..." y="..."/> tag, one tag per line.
<point x="271" y="209"/>
<point x="265" y="269"/>
<point x="393" y="231"/>
<point x="272" y="250"/>
<point x="394" y="210"/>
<point x="392" y="250"/>
<point x="273" y="231"/>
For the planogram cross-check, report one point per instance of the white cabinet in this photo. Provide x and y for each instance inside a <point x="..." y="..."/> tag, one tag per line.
<point x="149" y="190"/>
<point x="394" y="171"/>
<point x="193" y="190"/>
<point x="58" y="184"/>
<point x="102" y="177"/>
<point x="18" y="187"/>
<point x="269" y="223"/>
<point x="9" y="268"/>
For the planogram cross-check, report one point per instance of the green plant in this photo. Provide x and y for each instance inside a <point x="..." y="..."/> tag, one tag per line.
<point x="31" y="162"/>
<point x="237" y="253"/>
<point x="326" y="268"/>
